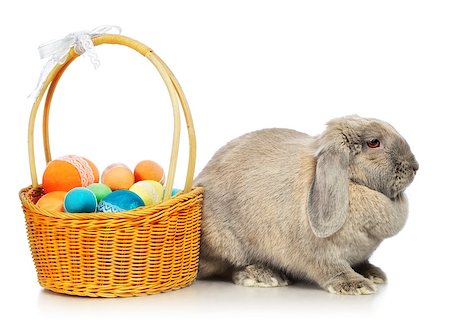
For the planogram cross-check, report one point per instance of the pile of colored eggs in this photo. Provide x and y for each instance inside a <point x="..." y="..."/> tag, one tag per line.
<point x="71" y="184"/>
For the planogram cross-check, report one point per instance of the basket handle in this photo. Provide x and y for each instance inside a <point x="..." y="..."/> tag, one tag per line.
<point x="175" y="92"/>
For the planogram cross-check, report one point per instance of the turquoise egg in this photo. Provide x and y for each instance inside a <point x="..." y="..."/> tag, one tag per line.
<point x="175" y="191"/>
<point x="80" y="199"/>
<point x="120" y="200"/>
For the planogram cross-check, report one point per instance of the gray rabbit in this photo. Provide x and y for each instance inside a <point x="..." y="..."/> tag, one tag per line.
<point x="281" y="205"/>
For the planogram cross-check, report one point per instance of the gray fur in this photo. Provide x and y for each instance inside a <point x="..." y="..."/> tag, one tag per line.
<point x="279" y="202"/>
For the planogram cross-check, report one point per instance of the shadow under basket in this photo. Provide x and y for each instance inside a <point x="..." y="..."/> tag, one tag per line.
<point x="132" y="253"/>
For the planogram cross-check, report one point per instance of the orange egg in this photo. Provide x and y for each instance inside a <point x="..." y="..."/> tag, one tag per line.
<point x="149" y="170"/>
<point x="68" y="172"/>
<point x="118" y="177"/>
<point x="53" y="201"/>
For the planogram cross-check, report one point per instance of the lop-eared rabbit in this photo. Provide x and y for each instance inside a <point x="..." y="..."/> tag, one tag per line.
<point x="281" y="205"/>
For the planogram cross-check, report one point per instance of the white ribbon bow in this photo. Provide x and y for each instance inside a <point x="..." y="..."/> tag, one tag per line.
<point x="58" y="50"/>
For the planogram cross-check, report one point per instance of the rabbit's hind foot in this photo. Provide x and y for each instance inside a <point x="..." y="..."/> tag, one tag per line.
<point x="259" y="276"/>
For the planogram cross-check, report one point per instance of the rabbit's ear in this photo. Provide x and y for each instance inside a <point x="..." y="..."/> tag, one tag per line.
<point x="328" y="196"/>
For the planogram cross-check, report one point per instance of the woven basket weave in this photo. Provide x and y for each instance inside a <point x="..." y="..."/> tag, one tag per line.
<point x="138" y="252"/>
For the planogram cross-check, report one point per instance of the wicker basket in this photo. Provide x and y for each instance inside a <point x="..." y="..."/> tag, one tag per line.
<point x="138" y="252"/>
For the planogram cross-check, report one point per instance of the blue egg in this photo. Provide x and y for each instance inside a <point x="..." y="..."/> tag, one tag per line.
<point x="120" y="200"/>
<point x="175" y="191"/>
<point x="80" y="199"/>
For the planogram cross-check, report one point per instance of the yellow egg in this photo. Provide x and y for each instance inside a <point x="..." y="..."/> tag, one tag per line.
<point x="150" y="192"/>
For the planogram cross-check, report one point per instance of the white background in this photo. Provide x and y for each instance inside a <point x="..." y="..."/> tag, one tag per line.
<point x="244" y="65"/>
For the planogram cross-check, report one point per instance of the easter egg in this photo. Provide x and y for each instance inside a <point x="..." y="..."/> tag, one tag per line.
<point x="150" y="192"/>
<point x="53" y="201"/>
<point x="68" y="172"/>
<point x="174" y="192"/>
<point x="120" y="200"/>
<point x="149" y="170"/>
<point x="80" y="199"/>
<point x="118" y="177"/>
<point x="99" y="190"/>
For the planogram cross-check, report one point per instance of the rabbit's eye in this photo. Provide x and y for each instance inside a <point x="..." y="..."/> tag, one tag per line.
<point x="374" y="143"/>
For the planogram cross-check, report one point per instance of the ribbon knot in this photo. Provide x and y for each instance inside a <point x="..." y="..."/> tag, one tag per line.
<point x="58" y="50"/>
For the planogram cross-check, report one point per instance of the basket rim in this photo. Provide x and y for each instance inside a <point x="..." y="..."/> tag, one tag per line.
<point x="145" y="211"/>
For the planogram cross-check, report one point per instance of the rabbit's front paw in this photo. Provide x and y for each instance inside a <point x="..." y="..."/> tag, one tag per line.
<point x="258" y="276"/>
<point x="371" y="272"/>
<point x="351" y="285"/>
